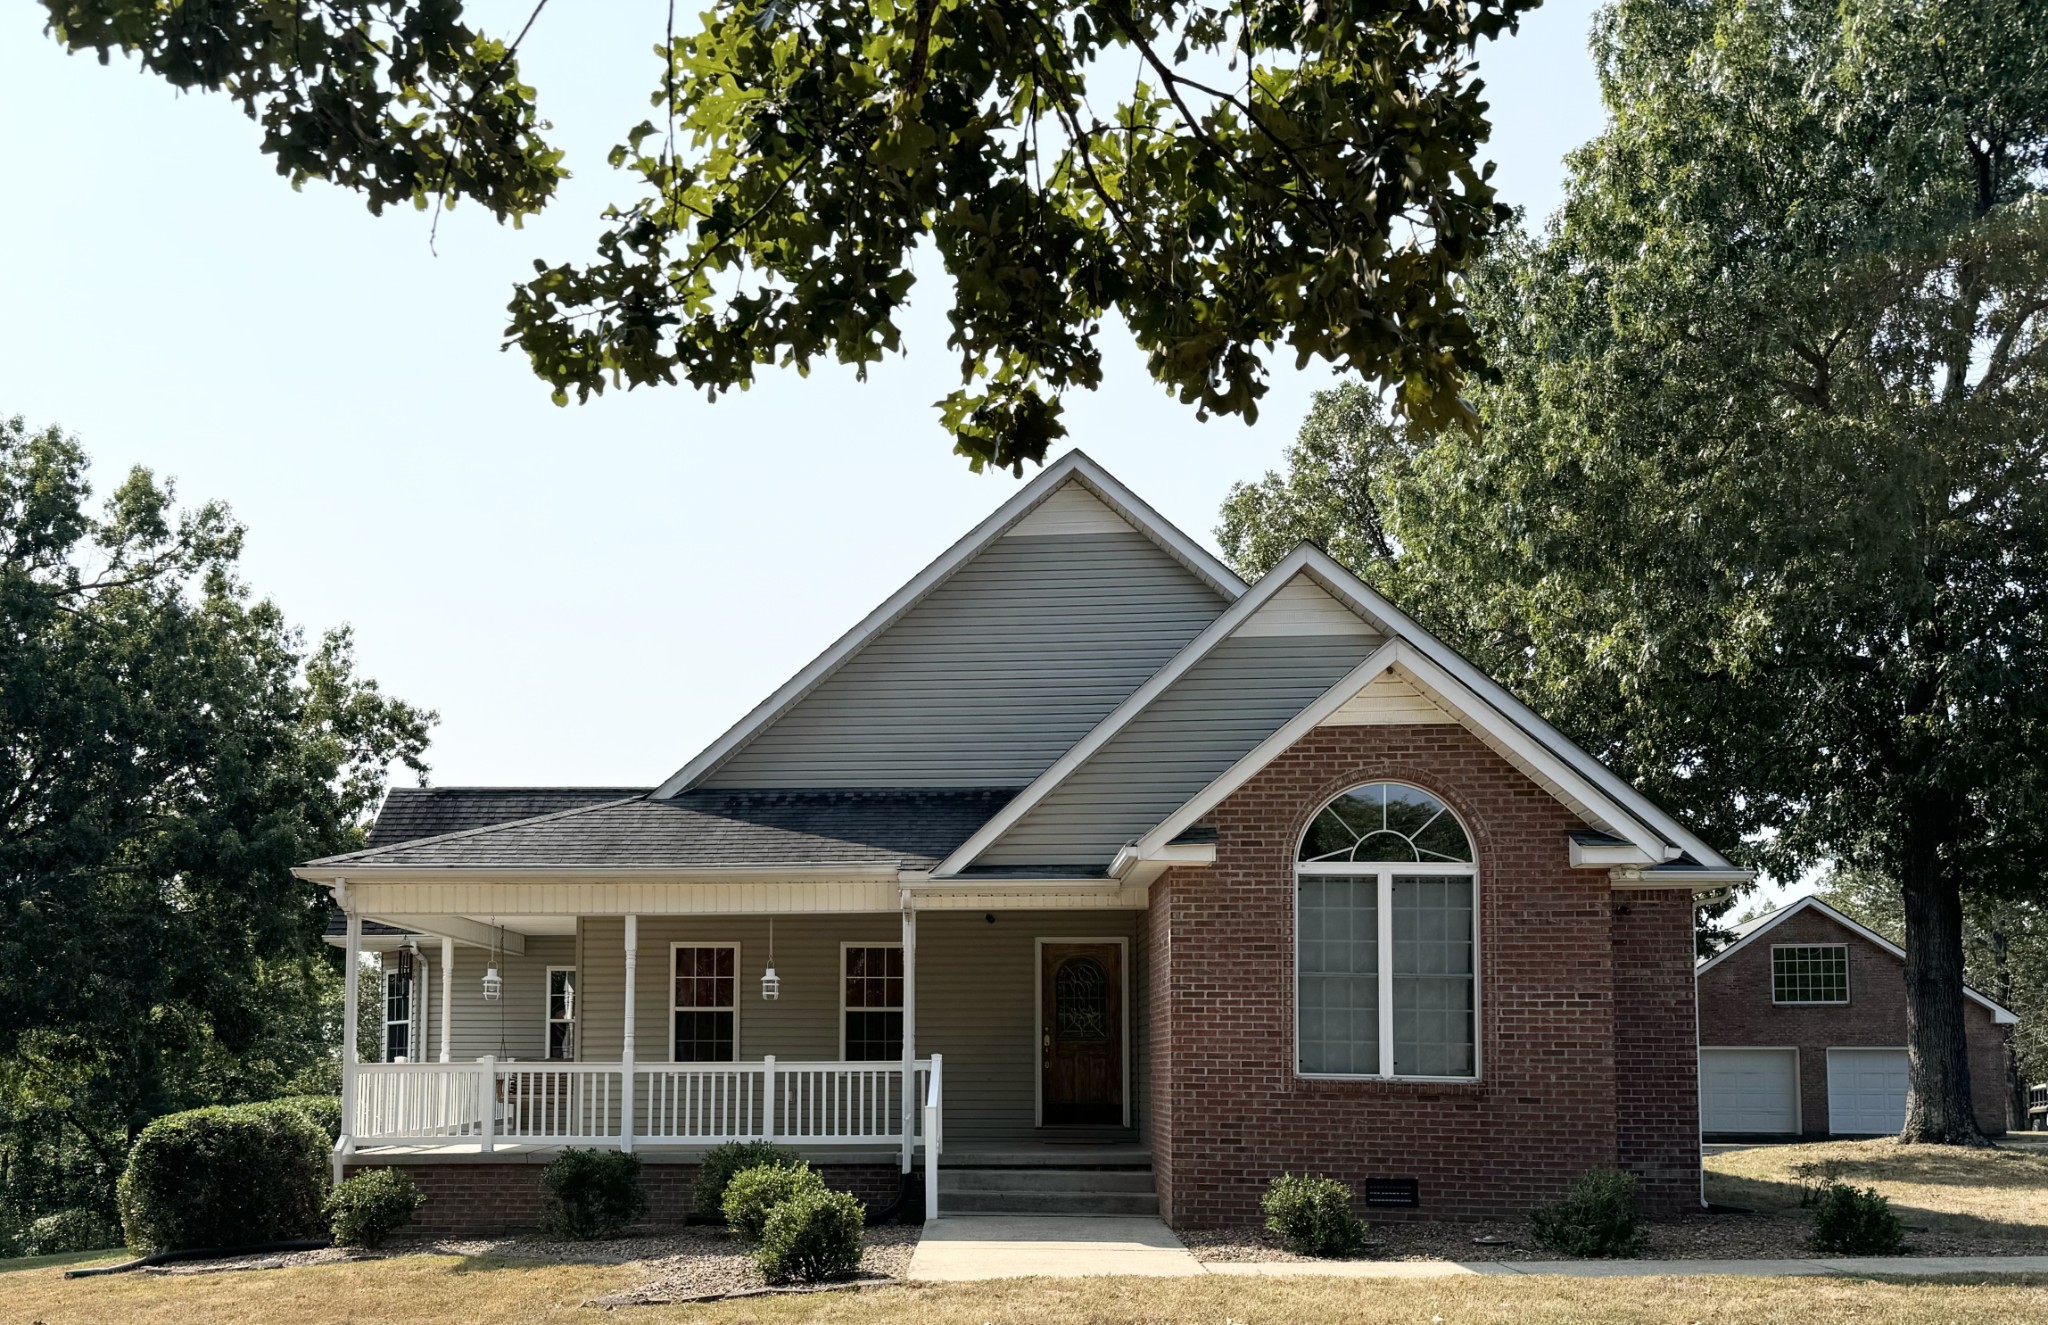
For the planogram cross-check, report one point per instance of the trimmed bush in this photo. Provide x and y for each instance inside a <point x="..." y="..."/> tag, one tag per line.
<point x="70" y="1230"/>
<point x="368" y="1208"/>
<point x="1596" y="1218"/>
<point x="811" y="1237"/>
<point x="323" y="1110"/>
<point x="591" y="1194"/>
<point x="720" y="1163"/>
<point x="237" y="1176"/>
<point x="1847" y="1222"/>
<point x="1313" y="1216"/>
<point x="753" y="1194"/>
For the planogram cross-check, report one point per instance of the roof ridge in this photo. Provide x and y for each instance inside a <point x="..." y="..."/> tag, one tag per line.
<point x="352" y="857"/>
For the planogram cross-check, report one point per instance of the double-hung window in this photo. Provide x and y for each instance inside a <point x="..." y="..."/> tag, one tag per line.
<point x="397" y="1017"/>
<point x="1810" y="973"/>
<point x="871" y="1006"/>
<point x="562" y="1012"/>
<point x="1386" y="939"/>
<point x="706" y="1008"/>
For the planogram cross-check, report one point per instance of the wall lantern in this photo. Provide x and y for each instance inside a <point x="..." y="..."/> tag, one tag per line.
<point x="771" y="983"/>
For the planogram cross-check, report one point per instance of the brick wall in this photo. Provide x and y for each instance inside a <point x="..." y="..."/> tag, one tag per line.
<point x="1229" y="1113"/>
<point x="1736" y="1010"/>
<point x="476" y="1199"/>
<point x="1656" y="1046"/>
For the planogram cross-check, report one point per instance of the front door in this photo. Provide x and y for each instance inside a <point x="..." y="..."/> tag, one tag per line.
<point x="1081" y="1032"/>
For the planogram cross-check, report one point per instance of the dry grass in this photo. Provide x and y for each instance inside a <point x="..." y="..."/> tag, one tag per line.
<point x="1999" y="1196"/>
<point x="444" y="1290"/>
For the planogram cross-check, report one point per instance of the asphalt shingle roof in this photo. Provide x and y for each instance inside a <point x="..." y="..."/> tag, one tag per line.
<point x="908" y="828"/>
<point x="410" y="813"/>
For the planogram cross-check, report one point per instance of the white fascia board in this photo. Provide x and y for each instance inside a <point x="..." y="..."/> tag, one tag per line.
<point x="2000" y="1015"/>
<point x="460" y="928"/>
<point x="1173" y="853"/>
<point x="1686" y="880"/>
<point x="1397" y="623"/>
<point x="1120" y="717"/>
<point x="589" y="873"/>
<point x="1072" y="465"/>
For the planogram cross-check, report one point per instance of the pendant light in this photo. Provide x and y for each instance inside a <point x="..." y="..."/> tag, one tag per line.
<point x="493" y="985"/>
<point x="771" y="983"/>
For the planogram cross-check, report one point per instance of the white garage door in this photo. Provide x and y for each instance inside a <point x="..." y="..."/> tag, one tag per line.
<point x="1750" y="1091"/>
<point x="1866" y="1091"/>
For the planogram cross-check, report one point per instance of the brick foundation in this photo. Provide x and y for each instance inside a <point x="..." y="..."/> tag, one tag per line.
<point x="474" y="1199"/>
<point x="1559" y="1092"/>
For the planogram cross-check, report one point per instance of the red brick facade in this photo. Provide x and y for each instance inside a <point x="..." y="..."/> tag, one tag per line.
<point x="479" y="1198"/>
<point x="1561" y="1088"/>
<point x="1736" y="1010"/>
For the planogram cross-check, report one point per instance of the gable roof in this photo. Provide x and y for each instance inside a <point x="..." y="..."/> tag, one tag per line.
<point x="1439" y="672"/>
<point x="866" y="829"/>
<point x="409" y="813"/>
<point x="1757" y="926"/>
<point x="1071" y="469"/>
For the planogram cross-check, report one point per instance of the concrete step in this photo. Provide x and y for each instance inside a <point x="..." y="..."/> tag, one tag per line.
<point x="1058" y="1156"/>
<point x="1043" y="1180"/>
<point x="1049" y="1203"/>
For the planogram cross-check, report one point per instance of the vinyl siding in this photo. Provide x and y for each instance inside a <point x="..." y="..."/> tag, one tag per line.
<point x="1242" y="692"/>
<point x="1389" y="698"/>
<point x="993" y="675"/>
<point x="976" y="993"/>
<point x="513" y="1027"/>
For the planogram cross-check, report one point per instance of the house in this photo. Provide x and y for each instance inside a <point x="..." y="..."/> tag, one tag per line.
<point x="1803" y="1031"/>
<point x="1079" y="876"/>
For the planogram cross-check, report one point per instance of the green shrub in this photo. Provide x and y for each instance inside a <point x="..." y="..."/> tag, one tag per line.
<point x="1313" y="1216"/>
<point x="720" y="1164"/>
<point x="70" y="1230"/>
<point x="323" y="1110"/>
<point x="753" y="1194"/>
<point x="225" y="1177"/>
<point x="368" y="1208"/>
<point x="591" y="1193"/>
<point x="1596" y="1218"/>
<point x="1847" y="1222"/>
<point x="812" y="1236"/>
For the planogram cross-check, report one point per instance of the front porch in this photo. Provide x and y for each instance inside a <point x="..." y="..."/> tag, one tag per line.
<point x="654" y="1033"/>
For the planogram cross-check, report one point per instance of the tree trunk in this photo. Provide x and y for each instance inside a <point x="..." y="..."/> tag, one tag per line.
<point x="1938" y="1106"/>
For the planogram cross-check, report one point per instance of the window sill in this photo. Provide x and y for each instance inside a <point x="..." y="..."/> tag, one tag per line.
<point x="1402" y="1087"/>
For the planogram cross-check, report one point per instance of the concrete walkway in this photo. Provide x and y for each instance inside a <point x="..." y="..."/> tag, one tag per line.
<point x="961" y="1247"/>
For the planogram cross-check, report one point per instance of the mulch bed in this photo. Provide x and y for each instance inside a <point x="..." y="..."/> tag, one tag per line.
<point x="1695" y="1237"/>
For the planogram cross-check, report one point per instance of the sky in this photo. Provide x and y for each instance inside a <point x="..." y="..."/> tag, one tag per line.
<point x="586" y="595"/>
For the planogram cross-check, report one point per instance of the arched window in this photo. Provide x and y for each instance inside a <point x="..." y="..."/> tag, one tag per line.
<point x="1386" y="939"/>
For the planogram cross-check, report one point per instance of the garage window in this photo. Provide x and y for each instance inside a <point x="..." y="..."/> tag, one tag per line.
<point x="1810" y="973"/>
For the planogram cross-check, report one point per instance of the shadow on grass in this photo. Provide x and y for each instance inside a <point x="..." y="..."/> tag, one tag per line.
<point x="1781" y="1196"/>
<point x="63" y="1259"/>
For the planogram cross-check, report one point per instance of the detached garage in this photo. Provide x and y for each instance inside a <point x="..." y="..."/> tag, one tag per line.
<point x="1803" y="1028"/>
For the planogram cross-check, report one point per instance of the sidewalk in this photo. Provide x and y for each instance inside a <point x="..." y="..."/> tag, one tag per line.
<point x="968" y="1247"/>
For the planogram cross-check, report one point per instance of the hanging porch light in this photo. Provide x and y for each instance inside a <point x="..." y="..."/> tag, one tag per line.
<point x="493" y="985"/>
<point x="771" y="984"/>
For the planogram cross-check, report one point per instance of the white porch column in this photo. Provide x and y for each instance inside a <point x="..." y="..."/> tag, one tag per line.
<point x="352" y="962"/>
<point x="911" y="1103"/>
<point x="447" y="990"/>
<point x="626" y="1034"/>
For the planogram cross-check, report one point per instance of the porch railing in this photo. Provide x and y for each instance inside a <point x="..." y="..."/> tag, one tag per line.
<point x="491" y="1103"/>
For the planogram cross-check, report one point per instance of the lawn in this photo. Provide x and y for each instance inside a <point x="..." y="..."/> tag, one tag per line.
<point x="433" y="1290"/>
<point x="1990" y="1195"/>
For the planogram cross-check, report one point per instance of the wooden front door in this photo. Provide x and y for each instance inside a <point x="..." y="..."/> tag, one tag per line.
<point x="1081" y="1033"/>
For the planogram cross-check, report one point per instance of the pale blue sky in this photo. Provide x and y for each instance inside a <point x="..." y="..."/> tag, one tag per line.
<point x="588" y="595"/>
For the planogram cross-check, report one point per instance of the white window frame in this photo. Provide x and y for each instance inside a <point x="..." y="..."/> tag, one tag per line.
<point x="738" y="975"/>
<point x="548" y="1017"/>
<point x="390" y="974"/>
<point x="1383" y="873"/>
<point x="1841" y="1002"/>
<point x="846" y="946"/>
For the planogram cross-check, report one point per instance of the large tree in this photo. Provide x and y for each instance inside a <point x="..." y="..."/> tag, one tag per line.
<point x="1759" y="510"/>
<point x="169" y="748"/>
<point x="1227" y="178"/>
